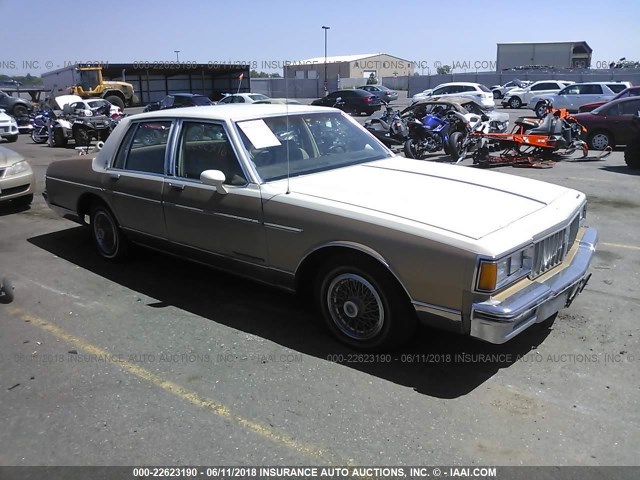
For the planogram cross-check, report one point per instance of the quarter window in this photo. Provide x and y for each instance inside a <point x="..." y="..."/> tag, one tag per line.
<point x="206" y="146"/>
<point x="144" y="147"/>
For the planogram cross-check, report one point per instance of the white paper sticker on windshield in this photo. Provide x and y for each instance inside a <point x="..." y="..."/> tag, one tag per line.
<point x="259" y="134"/>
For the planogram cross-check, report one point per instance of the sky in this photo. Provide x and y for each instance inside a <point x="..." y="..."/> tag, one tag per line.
<point x="46" y="35"/>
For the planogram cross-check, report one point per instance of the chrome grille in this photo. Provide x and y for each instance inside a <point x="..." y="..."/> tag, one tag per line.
<point x="550" y="251"/>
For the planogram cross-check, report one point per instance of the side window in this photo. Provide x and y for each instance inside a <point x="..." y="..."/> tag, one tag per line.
<point x="143" y="147"/>
<point x="573" y="90"/>
<point x="237" y="99"/>
<point x="206" y="146"/>
<point x="613" y="111"/>
<point x="467" y="88"/>
<point x="630" y="107"/>
<point x="440" y="91"/>
<point x="591" y="90"/>
<point x="617" y="87"/>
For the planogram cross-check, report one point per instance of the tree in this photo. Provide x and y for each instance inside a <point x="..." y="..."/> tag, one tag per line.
<point x="444" y="69"/>
<point x="256" y="74"/>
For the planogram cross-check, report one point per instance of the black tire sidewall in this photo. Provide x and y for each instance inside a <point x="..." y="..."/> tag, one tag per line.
<point x="120" y="241"/>
<point x="398" y="315"/>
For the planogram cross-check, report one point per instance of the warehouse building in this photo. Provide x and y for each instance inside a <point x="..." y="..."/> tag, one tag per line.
<point x="153" y="81"/>
<point x="551" y="54"/>
<point x="349" y="66"/>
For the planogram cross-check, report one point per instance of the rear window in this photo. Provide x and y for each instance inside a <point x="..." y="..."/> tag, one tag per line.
<point x="202" y="100"/>
<point x="616" y="87"/>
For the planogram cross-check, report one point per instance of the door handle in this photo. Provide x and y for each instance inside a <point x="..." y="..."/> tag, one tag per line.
<point x="114" y="176"/>
<point x="176" y="186"/>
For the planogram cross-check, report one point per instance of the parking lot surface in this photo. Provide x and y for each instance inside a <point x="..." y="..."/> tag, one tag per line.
<point x="159" y="361"/>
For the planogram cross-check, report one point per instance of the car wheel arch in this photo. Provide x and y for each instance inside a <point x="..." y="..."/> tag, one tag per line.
<point x="86" y="203"/>
<point x="308" y="266"/>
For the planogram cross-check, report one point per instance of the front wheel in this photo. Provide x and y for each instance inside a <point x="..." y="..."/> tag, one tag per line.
<point x="12" y="138"/>
<point x="457" y="147"/>
<point x="515" y="103"/>
<point x="107" y="236"/>
<point x="81" y="137"/>
<point x="6" y="291"/>
<point x="412" y="150"/>
<point x="541" y="109"/>
<point x="363" y="305"/>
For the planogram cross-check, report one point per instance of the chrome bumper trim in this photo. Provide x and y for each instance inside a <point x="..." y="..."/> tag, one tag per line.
<point x="498" y="322"/>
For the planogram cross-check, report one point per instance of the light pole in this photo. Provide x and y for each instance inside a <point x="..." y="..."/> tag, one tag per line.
<point x="177" y="57"/>
<point x="325" y="58"/>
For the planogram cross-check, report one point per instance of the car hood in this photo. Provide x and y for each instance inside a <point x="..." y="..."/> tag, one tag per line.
<point x="9" y="157"/>
<point x="515" y="91"/>
<point x="498" y="116"/>
<point x="63" y="100"/>
<point x="456" y="199"/>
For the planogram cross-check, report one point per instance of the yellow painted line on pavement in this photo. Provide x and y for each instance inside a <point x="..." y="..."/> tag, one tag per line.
<point x="196" y="399"/>
<point x="620" y="245"/>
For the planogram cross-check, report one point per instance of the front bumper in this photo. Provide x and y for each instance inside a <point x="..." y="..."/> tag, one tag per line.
<point x="498" y="322"/>
<point x="17" y="186"/>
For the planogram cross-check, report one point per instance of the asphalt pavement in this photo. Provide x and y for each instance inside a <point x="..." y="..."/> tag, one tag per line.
<point x="160" y="361"/>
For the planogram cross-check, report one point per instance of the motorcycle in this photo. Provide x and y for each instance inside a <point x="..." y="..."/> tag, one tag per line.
<point x="472" y="139"/>
<point x="534" y="142"/>
<point x="431" y="133"/>
<point x="40" y="123"/>
<point x="390" y="128"/>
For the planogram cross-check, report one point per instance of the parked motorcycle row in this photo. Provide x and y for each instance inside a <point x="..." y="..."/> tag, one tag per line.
<point x="57" y="127"/>
<point x="461" y="128"/>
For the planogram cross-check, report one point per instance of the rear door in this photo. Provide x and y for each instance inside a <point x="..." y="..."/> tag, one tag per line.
<point x="135" y="180"/>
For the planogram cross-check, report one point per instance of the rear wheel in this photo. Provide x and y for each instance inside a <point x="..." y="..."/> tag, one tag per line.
<point x="632" y="154"/>
<point x="81" y="137"/>
<point x="38" y="137"/>
<point x="599" y="140"/>
<point x="411" y="150"/>
<point x="496" y="94"/>
<point x="115" y="100"/>
<point x="362" y="304"/>
<point x="107" y="236"/>
<point x="19" y="110"/>
<point x="59" y="140"/>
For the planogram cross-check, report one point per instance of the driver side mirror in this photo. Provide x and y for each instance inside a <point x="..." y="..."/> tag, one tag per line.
<point x="215" y="178"/>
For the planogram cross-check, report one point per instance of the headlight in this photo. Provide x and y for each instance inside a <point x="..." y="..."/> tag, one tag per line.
<point x="17" y="168"/>
<point x="496" y="274"/>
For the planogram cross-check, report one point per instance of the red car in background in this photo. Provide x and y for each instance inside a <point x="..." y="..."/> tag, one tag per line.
<point x="610" y="124"/>
<point x="626" y="93"/>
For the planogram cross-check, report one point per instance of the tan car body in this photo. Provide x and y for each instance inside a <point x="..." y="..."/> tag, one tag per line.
<point x="428" y="224"/>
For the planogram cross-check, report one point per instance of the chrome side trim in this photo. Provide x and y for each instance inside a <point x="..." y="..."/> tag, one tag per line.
<point x="497" y="322"/>
<point x="284" y="228"/>
<point x="122" y="194"/>
<point x="232" y="217"/>
<point x="73" y="183"/>
<point x="448" y="313"/>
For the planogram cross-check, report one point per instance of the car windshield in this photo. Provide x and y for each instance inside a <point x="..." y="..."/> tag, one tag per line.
<point x="201" y="100"/>
<point x="302" y="144"/>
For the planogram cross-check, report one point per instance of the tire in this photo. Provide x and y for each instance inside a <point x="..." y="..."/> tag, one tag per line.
<point x="599" y="140"/>
<point x="456" y="150"/>
<point x="12" y="138"/>
<point x="497" y="95"/>
<point x="81" y="137"/>
<point x="115" y="100"/>
<point x="411" y="152"/>
<point x="59" y="140"/>
<point x="6" y="291"/>
<point x="363" y="304"/>
<point x="515" y="102"/>
<point x="19" y="110"/>
<point x="24" y="201"/>
<point x="36" y="139"/>
<point x="632" y="155"/>
<point x="107" y="236"/>
<point x="540" y="110"/>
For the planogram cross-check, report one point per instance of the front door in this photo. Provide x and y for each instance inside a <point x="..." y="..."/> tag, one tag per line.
<point x="197" y="215"/>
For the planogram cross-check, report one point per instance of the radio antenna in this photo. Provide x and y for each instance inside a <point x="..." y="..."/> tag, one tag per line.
<point x="286" y="108"/>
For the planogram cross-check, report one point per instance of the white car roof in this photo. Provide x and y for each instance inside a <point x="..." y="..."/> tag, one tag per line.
<point x="465" y="84"/>
<point x="232" y="112"/>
